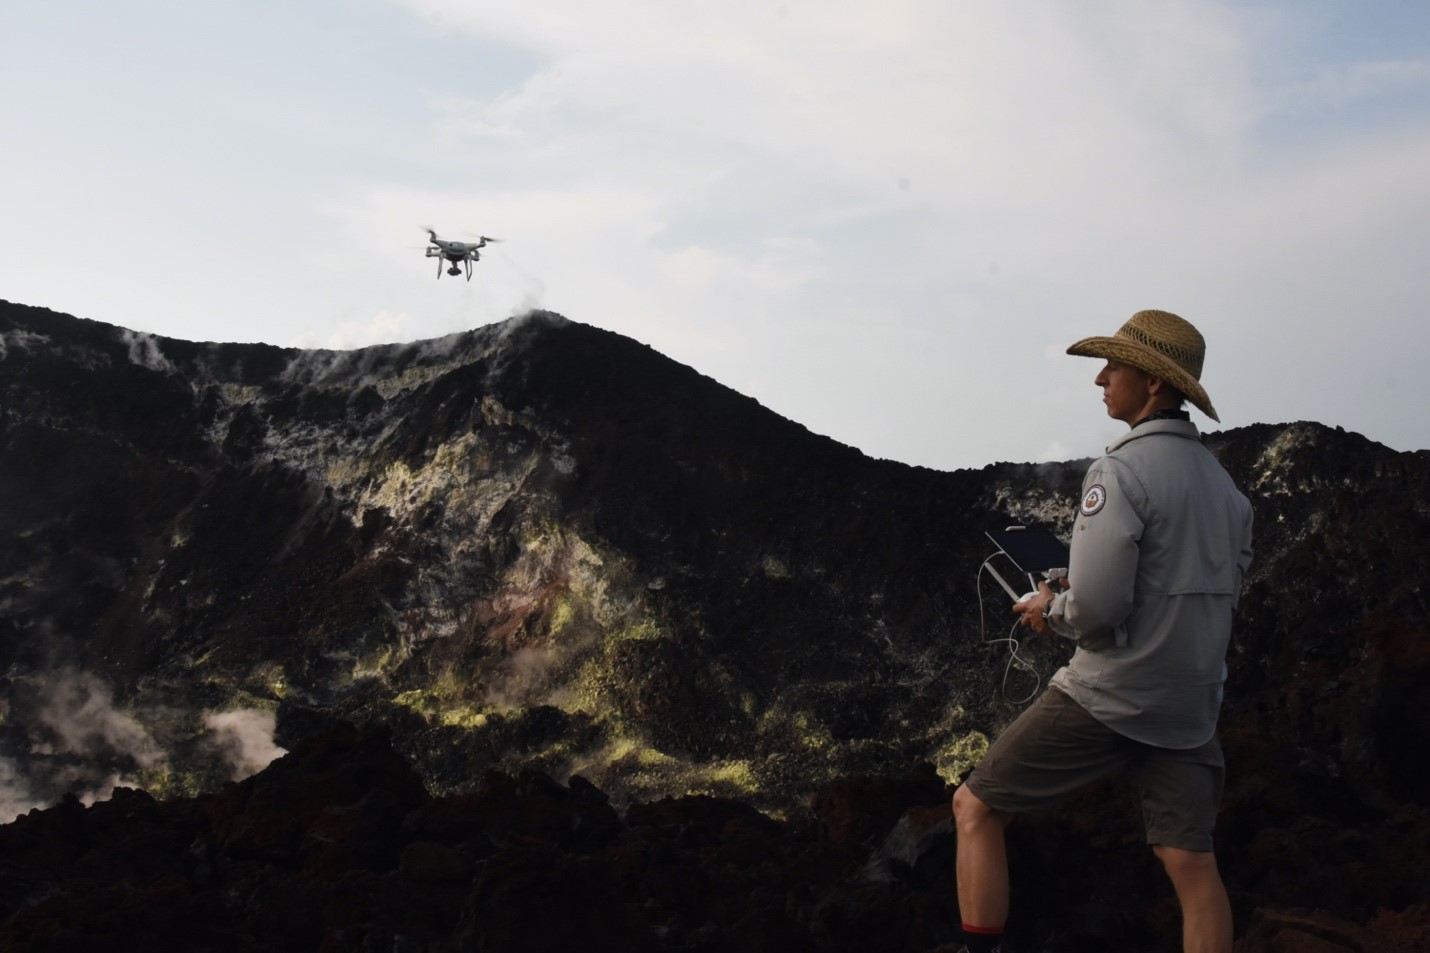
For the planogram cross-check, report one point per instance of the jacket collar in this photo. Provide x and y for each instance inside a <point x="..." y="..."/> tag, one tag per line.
<point x="1178" y="428"/>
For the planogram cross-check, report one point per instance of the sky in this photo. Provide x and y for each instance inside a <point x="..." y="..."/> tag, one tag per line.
<point x="884" y="221"/>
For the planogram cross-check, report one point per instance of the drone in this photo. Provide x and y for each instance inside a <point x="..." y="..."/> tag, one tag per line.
<point x="463" y="253"/>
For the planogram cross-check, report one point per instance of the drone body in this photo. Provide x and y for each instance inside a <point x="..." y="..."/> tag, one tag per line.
<point x="458" y="253"/>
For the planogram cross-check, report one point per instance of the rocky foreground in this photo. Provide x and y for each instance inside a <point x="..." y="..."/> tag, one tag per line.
<point x="339" y="847"/>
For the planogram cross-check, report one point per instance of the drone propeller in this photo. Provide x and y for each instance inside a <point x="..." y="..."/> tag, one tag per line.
<point x="480" y="238"/>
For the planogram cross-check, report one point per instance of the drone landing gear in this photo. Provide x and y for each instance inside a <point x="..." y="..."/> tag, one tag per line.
<point x="453" y="263"/>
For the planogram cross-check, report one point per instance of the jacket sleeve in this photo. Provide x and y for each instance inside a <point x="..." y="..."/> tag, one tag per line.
<point x="1102" y="569"/>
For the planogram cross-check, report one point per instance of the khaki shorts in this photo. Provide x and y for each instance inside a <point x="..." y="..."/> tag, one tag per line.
<point x="1055" y="747"/>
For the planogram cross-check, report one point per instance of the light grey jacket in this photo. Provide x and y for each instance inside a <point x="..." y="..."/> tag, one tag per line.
<point x="1161" y="545"/>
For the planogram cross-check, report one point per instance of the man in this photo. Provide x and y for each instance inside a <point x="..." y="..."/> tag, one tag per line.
<point x="1158" y="552"/>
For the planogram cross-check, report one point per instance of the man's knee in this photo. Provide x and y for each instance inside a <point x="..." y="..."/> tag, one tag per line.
<point x="969" y="810"/>
<point x="966" y="804"/>
<point x="1181" y="864"/>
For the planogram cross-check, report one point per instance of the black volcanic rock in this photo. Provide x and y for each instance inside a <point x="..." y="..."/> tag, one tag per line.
<point x="539" y="550"/>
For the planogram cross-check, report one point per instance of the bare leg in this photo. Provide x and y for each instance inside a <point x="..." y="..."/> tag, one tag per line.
<point x="982" y="863"/>
<point x="1206" y="912"/>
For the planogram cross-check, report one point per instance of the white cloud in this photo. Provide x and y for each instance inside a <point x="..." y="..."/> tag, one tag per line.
<point x="1346" y="84"/>
<point x="868" y="217"/>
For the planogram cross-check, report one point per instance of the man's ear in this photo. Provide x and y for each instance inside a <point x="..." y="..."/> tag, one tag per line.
<point x="1163" y="394"/>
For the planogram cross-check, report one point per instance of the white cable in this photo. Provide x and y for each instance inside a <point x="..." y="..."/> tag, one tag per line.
<point x="1013" y="643"/>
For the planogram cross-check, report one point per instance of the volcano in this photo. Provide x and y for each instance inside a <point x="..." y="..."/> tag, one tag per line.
<point x="543" y="550"/>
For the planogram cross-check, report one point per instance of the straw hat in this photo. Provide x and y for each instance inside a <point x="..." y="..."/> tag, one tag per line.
<point x="1161" y="344"/>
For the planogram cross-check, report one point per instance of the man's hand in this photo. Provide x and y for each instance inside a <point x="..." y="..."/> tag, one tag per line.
<point x="1031" y="609"/>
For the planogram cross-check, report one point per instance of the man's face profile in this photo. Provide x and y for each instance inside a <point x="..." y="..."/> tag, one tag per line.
<point x="1126" y="391"/>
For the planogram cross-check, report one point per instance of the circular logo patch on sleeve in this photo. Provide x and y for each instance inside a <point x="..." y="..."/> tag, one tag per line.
<point x="1094" y="499"/>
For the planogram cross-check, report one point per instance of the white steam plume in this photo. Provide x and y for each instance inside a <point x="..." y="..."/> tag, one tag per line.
<point x="244" y="739"/>
<point x="80" y="711"/>
<point x="144" y="350"/>
<point x="78" y="742"/>
<point x="16" y="797"/>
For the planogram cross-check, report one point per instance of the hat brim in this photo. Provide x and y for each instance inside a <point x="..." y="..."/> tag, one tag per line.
<point x="1143" y="358"/>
